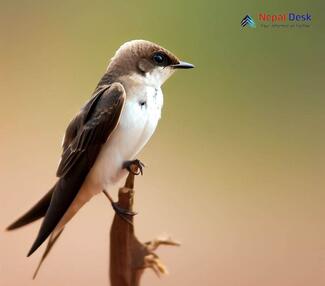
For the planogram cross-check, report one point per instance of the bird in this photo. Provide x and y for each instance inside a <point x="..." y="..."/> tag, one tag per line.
<point x="103" y="140"/>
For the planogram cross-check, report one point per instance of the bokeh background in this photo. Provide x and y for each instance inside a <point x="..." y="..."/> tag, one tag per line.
<point x="235" y="169"/>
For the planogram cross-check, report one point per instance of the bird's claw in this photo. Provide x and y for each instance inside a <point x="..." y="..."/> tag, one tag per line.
<point x="138" y="167"/>
<point x="123" y="213"/>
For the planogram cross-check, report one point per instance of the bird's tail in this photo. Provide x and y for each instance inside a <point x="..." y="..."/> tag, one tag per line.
<point x="49" y="246"/>
<point x="35" y="213"/>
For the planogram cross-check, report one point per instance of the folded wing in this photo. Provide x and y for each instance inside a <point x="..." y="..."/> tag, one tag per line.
<point x="83" y="140"/>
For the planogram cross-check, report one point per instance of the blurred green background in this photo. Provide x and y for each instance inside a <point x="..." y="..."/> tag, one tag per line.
<point x="235" y="169"/>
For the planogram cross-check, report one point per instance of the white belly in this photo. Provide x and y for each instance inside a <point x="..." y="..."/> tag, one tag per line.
<point x="136" y="126"/>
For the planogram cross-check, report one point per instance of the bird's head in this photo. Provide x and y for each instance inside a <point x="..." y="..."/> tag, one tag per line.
<point x="146" y="61"/>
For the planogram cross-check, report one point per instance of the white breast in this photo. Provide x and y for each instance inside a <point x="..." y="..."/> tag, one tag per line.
<point x="138" y="121"/>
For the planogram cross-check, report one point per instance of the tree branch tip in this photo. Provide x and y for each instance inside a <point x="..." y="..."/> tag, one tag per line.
<point x="153" y="262"/>
<point x="155" y="243"/>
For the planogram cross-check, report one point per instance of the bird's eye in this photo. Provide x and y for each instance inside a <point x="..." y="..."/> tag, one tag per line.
<point x="159" y="58"/>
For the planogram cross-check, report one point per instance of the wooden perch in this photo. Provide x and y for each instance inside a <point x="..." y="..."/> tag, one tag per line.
<point x="128" y="256"/>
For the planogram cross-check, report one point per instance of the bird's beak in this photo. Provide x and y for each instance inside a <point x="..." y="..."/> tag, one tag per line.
<point x="182" y="65"/>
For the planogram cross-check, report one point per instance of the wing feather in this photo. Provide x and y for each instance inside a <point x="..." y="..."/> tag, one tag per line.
<point x="95" y="130"/>
<point x="100" y="120"/>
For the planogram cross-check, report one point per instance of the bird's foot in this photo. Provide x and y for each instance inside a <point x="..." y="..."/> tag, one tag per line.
<point x="129" y="165"/>
<point x="121" y="212"/>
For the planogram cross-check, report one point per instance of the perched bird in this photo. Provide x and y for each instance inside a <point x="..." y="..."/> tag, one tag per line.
<point x="104" y="138"/>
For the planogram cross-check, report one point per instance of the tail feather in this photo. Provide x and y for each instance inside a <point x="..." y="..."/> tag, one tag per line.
<point x="35" y="213"/>
<point x="65" y="191"/>
<point x="49" y="246"/>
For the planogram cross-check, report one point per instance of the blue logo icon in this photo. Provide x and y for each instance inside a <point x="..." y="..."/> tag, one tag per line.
<point x="248" y="21"/>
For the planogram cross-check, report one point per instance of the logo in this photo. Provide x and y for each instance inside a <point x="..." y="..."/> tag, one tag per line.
<point x="248" y="21"/>
<point x="278" y="20"/>
<point x="285" y="17"/>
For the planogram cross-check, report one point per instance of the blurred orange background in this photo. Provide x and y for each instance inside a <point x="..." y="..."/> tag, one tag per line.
<point x="235" y="170"/>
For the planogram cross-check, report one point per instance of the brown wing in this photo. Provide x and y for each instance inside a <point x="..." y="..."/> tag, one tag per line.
<point x="92" y="125"/>
<point x="40" y="208"/>
<point x="99" y="121"/>
<point x="79" y="120"/>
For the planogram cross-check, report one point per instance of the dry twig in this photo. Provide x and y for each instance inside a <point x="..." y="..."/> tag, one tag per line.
<point x="128" y="256"/>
